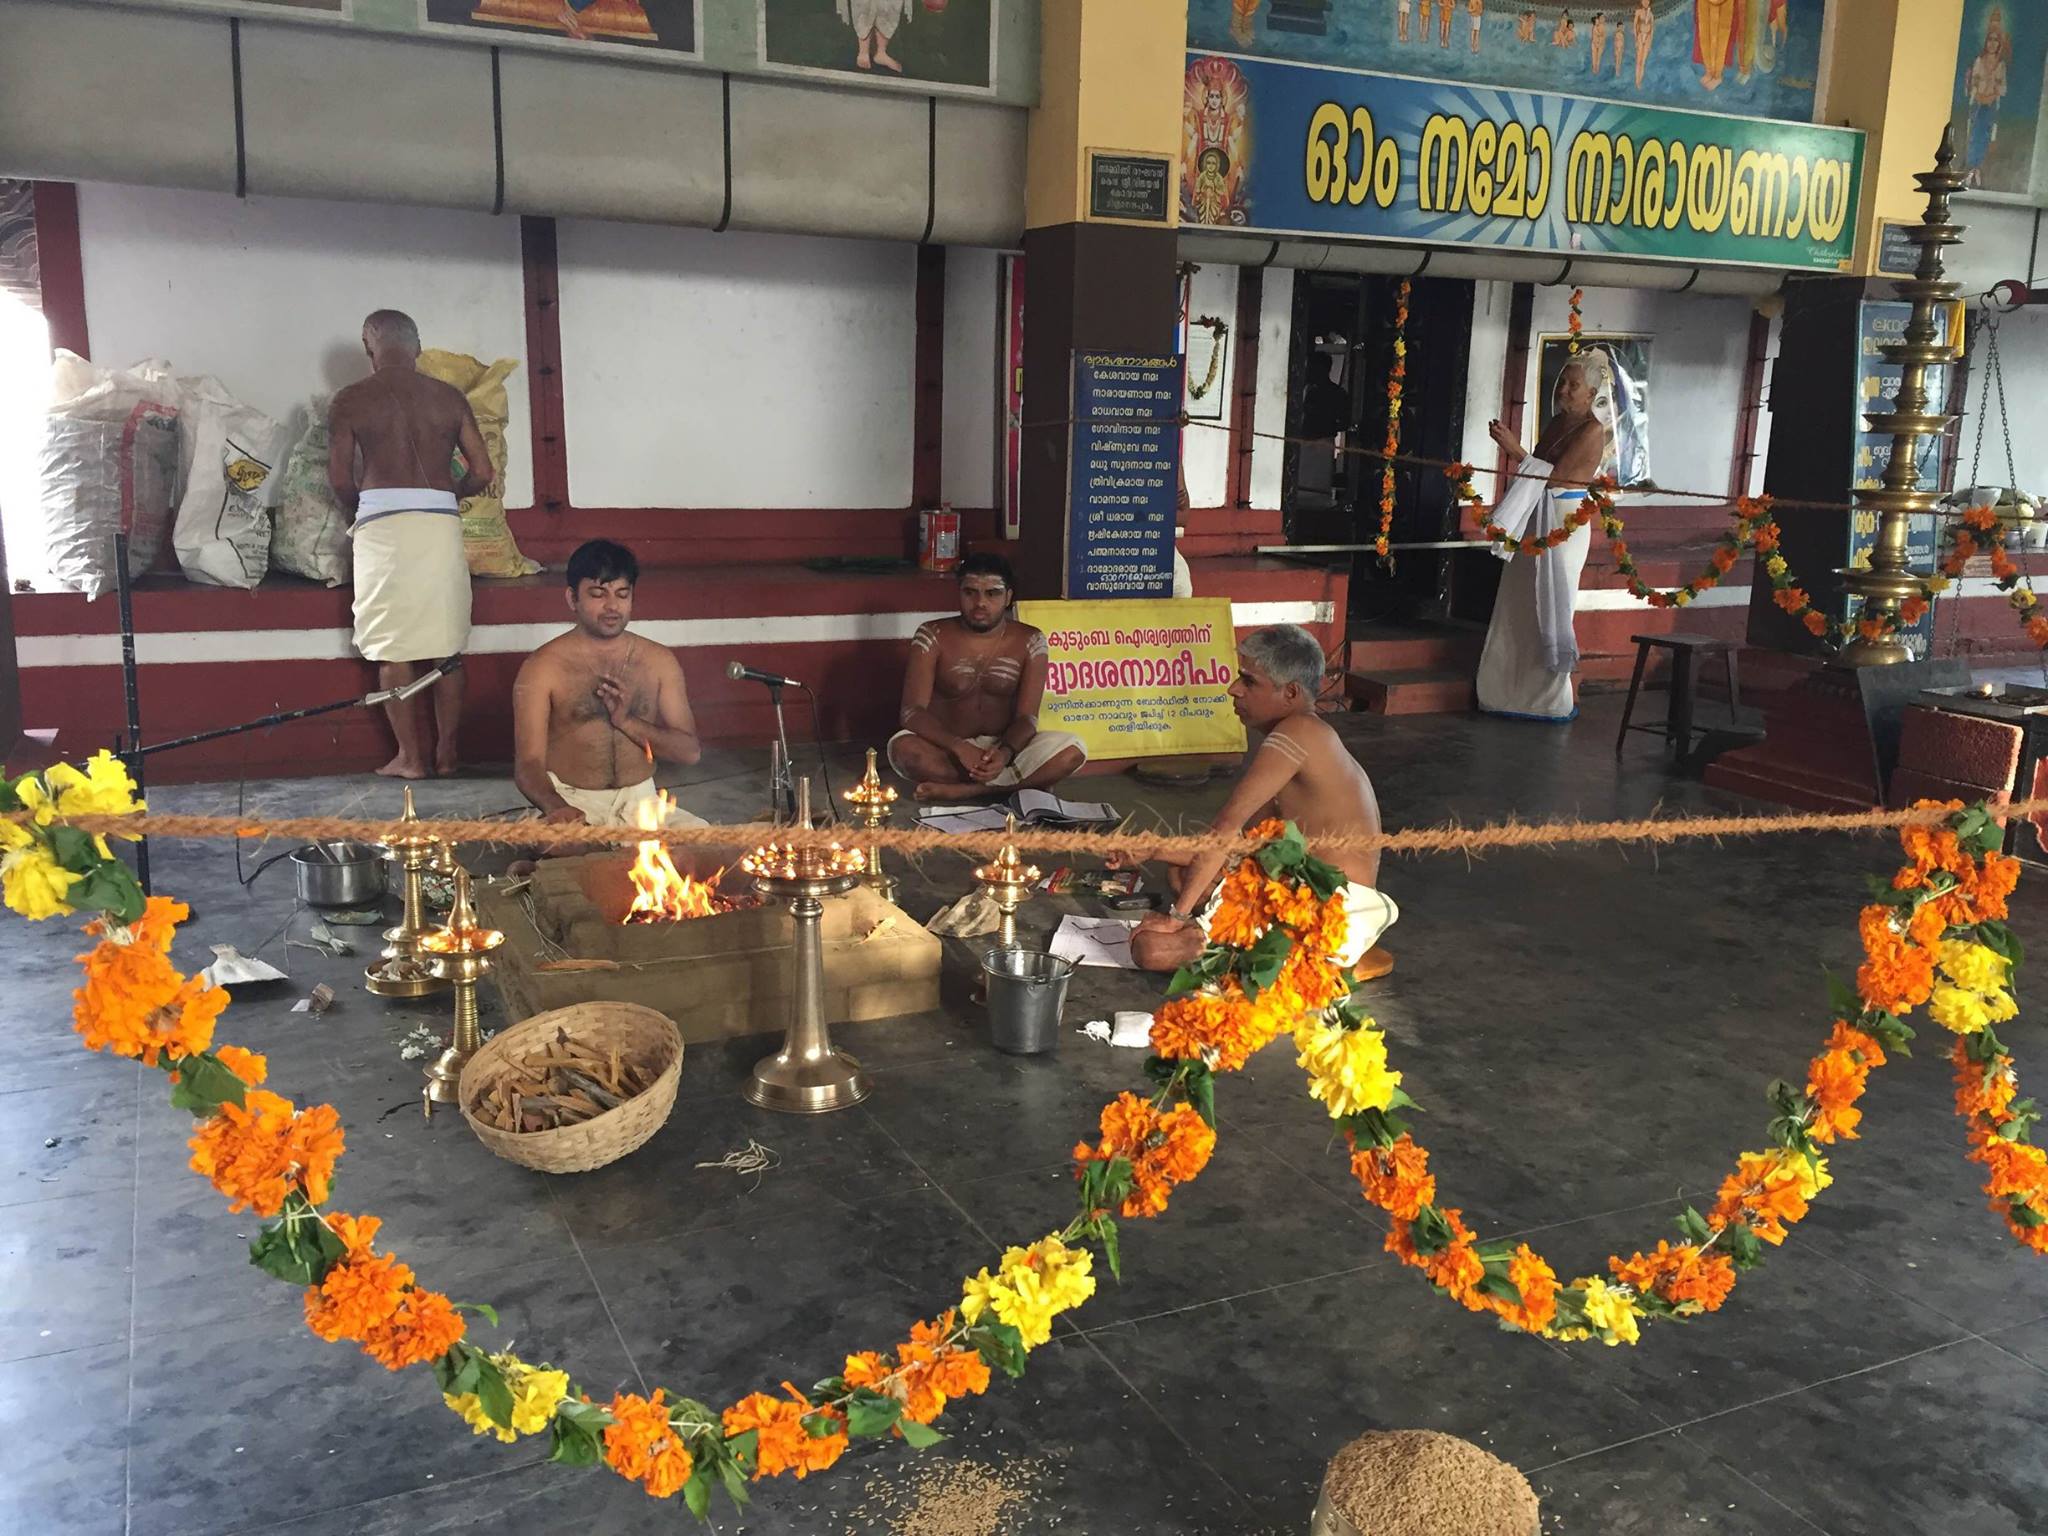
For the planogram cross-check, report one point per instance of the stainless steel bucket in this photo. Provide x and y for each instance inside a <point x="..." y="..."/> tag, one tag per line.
<point x="1027" y="992"/>
<point x="339" y="874"/>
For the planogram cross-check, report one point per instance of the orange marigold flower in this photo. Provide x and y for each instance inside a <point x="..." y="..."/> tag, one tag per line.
<point x="1982" y="1090"/>
<point x="1913" y="610"/>
<point x="356" y="1232"/>
<point x="359" y="1295"/>
<point x="783" y="1444"/>
<point x="865" y="1369"/>
<point x="2017" y="1168"/>
<point x="425" y="1327"/>
<point x="1724" y="559"/>
<point x="1457" y="1266"/>
<point x="255" y="1151"/>
<point x="1683" y="1275"/>
<point x="1162" y="1149"/>
<point x="1401" y="1243"/>
<point x="1397" y="1178"/>
<point x="1791" y="599"/>
<point x="251" y="1067"/>
<point x="1537" y="1282"/>
<point x="1815" y="621"/>
<point x="642" y="1446"/>
<point x="1763" y="1193"/>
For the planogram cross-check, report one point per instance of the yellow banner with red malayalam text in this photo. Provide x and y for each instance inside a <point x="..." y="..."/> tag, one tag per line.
<point x="1146" y="677"/>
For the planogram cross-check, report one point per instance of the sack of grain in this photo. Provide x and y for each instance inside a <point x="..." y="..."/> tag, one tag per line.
<point x="486" y="538"/>
<point x="309" y="533"/>
<point x="109" y="462"/>
<point x="222" y="535"/>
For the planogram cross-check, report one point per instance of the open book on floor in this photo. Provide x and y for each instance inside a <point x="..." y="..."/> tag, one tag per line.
<point x="1031" y="807"/>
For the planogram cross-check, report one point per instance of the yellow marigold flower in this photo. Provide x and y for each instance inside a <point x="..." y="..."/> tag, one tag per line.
<point x="1776" y="565"/>
<point x="1976" y="966"/>
<point x="102" y="789"/>
<point x="1999" y="1006"/>
<point x="1681" y="597"/>
<point x="1033" y="1286"/>
<point x="1610" y="1312"/>
<point x="14" y="835"/>
<point x="1811" y="1173"/>
<point x="1936" y="583"/>
<point x="34" y="884"/>
<point x="536" y="1392"/>
<point x="1347" y="1068"/>
<point x="1957" y="1009"/>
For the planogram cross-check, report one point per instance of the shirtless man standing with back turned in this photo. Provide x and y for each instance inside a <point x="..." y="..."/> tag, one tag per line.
<point x="971" y="697"/>
<point x="393" y="438"/>
<point x="593" y="709"/>
<point x="1301" y="773"/>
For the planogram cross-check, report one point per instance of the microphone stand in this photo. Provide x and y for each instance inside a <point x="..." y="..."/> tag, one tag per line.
<point x="782" y="781"/>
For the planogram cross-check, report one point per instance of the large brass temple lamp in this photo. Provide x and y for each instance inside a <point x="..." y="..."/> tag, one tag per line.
<point x="1890" y="578"/>
<point x="808" y="1075"/>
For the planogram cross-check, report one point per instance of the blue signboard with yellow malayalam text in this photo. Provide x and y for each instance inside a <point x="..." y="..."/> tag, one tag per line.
<point x="1279" y="148"/>
<point x="1123" y="494"/>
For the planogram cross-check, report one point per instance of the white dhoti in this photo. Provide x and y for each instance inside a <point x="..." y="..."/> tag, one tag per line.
<point x="621" y="807"/>
<point x="1038" y="751"/>
<point x="1526" y="669"/>
<point x="866" y="16"/>
<point x="411" y="576"/>
<point x="1367" y="914"/>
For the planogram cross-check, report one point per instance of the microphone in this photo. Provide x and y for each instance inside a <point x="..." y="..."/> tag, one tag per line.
<point x="745" y="674"/>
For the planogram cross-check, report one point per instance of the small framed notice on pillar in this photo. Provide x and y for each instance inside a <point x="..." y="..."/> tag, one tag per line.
<point x="1133" y="187"/>
<point x="1123" y="489"/>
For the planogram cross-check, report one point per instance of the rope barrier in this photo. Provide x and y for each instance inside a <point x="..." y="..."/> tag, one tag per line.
<point x="1448" y="838"/>
<point x="1779" y="503"/>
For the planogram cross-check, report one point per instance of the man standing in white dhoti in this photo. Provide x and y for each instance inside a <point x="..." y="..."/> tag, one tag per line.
<point x="393" y="442"/>
<point x="1525" y="672"/>
<point x="874" y="22"/>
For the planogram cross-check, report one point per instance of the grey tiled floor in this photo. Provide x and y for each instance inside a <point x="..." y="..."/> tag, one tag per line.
<point x="1590" y="1031"/>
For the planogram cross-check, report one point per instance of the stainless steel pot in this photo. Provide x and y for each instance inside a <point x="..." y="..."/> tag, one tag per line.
<point x="339" y="874"/>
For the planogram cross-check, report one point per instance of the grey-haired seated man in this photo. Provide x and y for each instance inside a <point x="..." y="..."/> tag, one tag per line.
<point x="1303" y="773"/>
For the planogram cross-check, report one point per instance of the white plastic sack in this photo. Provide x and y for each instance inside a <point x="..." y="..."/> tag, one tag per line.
<point x="109" y="461"/>
<point x="222" y="535"/>
<point x="310" y="532"/>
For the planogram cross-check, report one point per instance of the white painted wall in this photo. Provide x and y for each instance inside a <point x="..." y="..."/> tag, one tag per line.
<point x="1205" y="445"/>
<point x="704" y="370"/>
<point x="269" y="294"/>
<point x="1696" y="372"/>
<point x="2023" y="360"/>
<point x="973" y="378"/>
<point x="1491" y="302"/>
<point x="1269" y="410"/>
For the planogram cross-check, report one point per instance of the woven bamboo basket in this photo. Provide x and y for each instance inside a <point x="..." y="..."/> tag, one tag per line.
<point x="647" y="1039"/>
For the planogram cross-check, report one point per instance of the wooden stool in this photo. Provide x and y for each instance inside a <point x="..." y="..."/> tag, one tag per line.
<point x="1685" y="649"/>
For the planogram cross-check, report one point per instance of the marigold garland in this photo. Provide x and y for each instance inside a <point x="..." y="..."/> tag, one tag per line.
<point x="1397" y="377"/>
<point x="1752" y="524"/>
<point x="1934" y="937"/>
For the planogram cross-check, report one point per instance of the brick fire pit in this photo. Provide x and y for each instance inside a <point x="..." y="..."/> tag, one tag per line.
<point x="729" y="974"/>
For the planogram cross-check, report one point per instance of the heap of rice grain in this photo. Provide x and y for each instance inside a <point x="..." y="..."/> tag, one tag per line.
<point x="1416" y="1482"/>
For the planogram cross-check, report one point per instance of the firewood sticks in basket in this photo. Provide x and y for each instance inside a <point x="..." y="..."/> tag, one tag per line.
<point x="562" y="1083"/>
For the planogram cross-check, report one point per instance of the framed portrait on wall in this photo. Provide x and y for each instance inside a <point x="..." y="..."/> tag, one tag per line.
<point x="1617" y="366"/>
